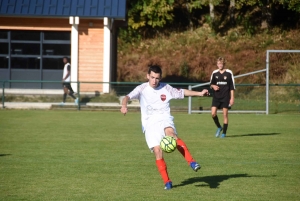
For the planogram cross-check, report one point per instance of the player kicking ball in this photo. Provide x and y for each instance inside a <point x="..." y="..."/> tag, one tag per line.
<point x="222" y="82"/>
<point x="157" y="121"/>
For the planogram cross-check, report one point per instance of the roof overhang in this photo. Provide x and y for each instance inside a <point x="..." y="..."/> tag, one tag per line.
<point x="115" y="9"/>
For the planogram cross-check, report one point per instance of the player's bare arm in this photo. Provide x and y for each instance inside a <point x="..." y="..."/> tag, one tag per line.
<point x="204" y="92"/>
<point x="231" y="102"/>
<point x="124" y="105"/>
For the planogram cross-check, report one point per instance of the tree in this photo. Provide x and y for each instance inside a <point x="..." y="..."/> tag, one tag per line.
<point x="211" y="10"/>
<point x="152" y="13"/>
<point x="211" y="4"/>
<point x="268" y="8"/>
<point x="293" y="5"/>
<point x="148" y="17"/>
<point x="186" y="9"/>
<point x="232" y="12"/>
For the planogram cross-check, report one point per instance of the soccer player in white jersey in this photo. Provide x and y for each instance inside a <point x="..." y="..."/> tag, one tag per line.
<point x="222" y="82"/>
<point x="157" y="121"/>
<point x="66" y="82"/>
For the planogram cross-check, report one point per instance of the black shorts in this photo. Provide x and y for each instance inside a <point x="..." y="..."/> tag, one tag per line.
<point x="220" y="104"/>
<point x="68" y="86"/>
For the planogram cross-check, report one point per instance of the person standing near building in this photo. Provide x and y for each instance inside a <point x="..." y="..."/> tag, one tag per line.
<point x="222" y="82"/>
<point x="157" y="121"/>
<point x="66" y="82"/>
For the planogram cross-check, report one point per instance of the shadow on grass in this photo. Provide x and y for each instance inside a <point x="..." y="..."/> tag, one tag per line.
<point x="254" y="134"/>
<point x="5" y="155"/>
<point x="211" y="181"/>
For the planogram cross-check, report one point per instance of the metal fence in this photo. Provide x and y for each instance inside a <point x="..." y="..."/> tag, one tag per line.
<point x="248" y="97"/>
<point x="242" y="111"/>
<point x="121" y="88"/>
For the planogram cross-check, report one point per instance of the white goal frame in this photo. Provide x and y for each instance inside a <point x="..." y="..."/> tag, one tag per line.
<point x="190" y="111"/>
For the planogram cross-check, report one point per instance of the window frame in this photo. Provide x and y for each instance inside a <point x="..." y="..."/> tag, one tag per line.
<point x="39" y="56"/>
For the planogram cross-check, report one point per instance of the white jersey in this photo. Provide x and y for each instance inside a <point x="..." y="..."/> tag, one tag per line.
<point x="66" y="69"/>
<point x="154" y="102"/>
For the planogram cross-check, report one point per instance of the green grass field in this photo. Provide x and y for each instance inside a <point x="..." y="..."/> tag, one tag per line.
<point x="63" y="155"/>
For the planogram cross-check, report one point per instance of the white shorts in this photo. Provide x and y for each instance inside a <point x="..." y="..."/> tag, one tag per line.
<point x="155" y="131"/>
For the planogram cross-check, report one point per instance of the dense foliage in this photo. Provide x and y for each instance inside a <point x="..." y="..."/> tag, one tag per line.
<point x="169" y="15"/>
<point x="186" y="36"/>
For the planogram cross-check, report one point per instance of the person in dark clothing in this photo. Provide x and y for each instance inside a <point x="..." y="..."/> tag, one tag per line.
<point x="66" y="82"/>
<point x="222" y="82"/>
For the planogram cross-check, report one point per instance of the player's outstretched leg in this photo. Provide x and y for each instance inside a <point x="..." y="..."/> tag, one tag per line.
<point x="71" y="93"/>
<point x="216" y="120"/>
<point x="64" y="98"/>
<point x="65" y="95"/>
<point x="182" y="148"/>
<point x="162" y="167"/>
<point x="225" y="125"/>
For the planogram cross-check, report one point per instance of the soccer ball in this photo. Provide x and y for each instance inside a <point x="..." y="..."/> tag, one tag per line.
<point x="168" y="144"/>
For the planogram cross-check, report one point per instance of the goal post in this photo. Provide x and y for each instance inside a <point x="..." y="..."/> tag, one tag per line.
<point x="267" y="86"/>
<point x="267" y="72"/>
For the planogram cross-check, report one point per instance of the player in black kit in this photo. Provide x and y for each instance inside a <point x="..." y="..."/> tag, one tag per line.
<point x="222" y="82"/>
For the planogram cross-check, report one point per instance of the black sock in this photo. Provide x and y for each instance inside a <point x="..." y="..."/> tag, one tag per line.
<point x="71" y="94"/>
<point x="216" y="120"/>
<point x="225" y="126"/>
<point x="64" y="97"/>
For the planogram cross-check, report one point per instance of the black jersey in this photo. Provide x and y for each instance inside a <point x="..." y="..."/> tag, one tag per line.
<point x="225" y="82"/>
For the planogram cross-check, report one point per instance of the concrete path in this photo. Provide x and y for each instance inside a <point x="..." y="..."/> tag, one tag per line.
<point x="47" y="106"/>
<point x="22" y="105"/>
<point x="134" y="106"/>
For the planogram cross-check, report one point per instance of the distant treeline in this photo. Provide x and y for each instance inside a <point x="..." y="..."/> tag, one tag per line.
<point x="149" y="18"/>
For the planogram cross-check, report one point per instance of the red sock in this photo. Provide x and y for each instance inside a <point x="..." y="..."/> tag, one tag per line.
<point x="182" y="148"/>
<point x="162" y="168"/>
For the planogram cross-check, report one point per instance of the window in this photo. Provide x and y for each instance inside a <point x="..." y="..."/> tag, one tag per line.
<point x="25" y="49"/>
<point x="3" y="34"/>
<point x="26" y="35"/>
<point x="35" y="55"/>
<point x="25" y="63"/>
<point x="56" y="49"/>
<point x="3" y="62"/>
<point x="53" y="63"/>
<point x="51" y="35"/>
<point x="3" y="48"/>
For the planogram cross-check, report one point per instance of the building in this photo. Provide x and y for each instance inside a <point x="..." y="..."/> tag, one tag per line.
<point x="36" y="34"/>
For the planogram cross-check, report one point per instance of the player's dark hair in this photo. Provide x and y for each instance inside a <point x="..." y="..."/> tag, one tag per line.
<point x="155" y="69"/>
<point x="66" y="59"/>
